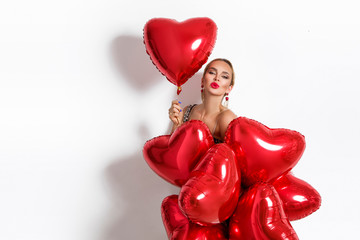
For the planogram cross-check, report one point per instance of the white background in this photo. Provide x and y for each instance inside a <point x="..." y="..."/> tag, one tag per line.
<point x="79" y="96"/>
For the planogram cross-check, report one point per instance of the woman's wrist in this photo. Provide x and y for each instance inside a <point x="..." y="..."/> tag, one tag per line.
<point x="175" y="126"/>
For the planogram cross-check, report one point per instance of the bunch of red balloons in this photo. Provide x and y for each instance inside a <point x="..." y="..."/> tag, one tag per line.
<point x="239" y="189"/>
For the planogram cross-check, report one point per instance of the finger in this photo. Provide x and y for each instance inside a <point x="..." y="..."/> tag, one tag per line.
<point x="175" y="102"/>
<point x="175" y="120"/>
<point x="176" y="110"/>
<point x="173" y="111"/>
<point x="177" y="107"/>
<point x="174" y="114"/>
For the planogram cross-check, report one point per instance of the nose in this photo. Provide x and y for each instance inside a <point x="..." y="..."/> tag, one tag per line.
<point x="216" y="78"/>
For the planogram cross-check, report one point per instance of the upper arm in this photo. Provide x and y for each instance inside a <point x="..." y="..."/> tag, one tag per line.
<point x="224" y="121"/>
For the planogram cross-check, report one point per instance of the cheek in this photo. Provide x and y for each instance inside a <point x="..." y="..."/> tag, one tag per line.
<point x="226" y="85"/>
<point x="207" y="80"/>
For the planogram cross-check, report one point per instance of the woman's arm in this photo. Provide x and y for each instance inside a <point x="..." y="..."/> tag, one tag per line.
<point x="176" y="114"/>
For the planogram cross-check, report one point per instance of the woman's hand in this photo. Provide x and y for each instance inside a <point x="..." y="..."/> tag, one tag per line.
<point x="176" y="113"/>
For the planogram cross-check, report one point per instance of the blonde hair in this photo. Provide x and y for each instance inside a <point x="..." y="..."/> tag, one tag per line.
<point x="232" y="83"/>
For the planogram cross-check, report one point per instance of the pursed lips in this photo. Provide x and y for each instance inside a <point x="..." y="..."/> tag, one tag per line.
<point x="214" y="85"/>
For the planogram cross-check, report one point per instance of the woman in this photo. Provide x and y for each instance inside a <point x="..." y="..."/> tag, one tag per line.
<point x="216" y="83"/>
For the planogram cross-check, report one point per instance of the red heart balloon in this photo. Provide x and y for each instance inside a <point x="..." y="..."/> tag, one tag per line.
<point x="178" y="227"/>
<point x="179" y="49"/>
<point x="263" y="154"/>
<point x="299" y="198"/>
<point x="173" y="157"/>
<point x="259" y="215"/>
<point x="212" y="191"/>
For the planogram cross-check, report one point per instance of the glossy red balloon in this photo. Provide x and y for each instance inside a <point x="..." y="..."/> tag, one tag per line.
<point x="179" y="49"/>
<point x="299" y="198"/>
<point x="212" y="191"/>
<point x="178" y="227"/>
<point x="173" y="157"/>
<point x="263" y="154"/>
<point x="259" y="215"/>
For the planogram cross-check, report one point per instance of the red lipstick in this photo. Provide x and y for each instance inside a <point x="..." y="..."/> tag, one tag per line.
<point x="214" y="85"/>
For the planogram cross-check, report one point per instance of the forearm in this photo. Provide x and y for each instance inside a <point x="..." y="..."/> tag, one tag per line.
<point x="174" y="127"/>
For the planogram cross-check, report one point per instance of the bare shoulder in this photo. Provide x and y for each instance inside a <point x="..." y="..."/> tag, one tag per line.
<point x="225" y="118"/>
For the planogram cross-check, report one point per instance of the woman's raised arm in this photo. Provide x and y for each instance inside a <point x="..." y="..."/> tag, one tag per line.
<point x="176" y="114"/>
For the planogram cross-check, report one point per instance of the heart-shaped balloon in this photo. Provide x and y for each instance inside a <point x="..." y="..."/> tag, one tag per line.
<point x="263" y="154"/>
<point x="212" y="191"/>
<point x="259" y="215"/>
<point x="173" y="156"/>
<point x="179" y="49"/>
<point x="299" y="198"/>
<point x="178" y="227"/>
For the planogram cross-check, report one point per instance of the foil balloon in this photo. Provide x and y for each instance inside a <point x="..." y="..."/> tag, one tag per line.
<point x="212" y="191"/>
<point x="299" y="198"/>
<point x="178" y="227"/>
<point x="179" y="49"/>
<point x="259" y="215"/>
<point x="239" y="189"/>
<point x="263" y="154"/>
<point x="173" y="156"/>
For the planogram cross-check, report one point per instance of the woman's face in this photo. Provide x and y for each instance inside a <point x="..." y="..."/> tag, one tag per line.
<point x="217" y="78"/>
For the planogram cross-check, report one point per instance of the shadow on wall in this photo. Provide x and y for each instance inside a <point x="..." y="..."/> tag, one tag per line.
<point x="191" y="91"/>
<point x="136" y="191"/>
<point x="133" y="63"/>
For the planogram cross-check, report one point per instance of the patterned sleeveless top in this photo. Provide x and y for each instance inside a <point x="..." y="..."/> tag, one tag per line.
<point x="187" y="116"/>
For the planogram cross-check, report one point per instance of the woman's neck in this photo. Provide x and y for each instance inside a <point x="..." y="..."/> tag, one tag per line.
<point x="211" y="105"/>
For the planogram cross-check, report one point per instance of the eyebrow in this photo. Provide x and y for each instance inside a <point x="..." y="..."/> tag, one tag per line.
<point x="216" y="70"/>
